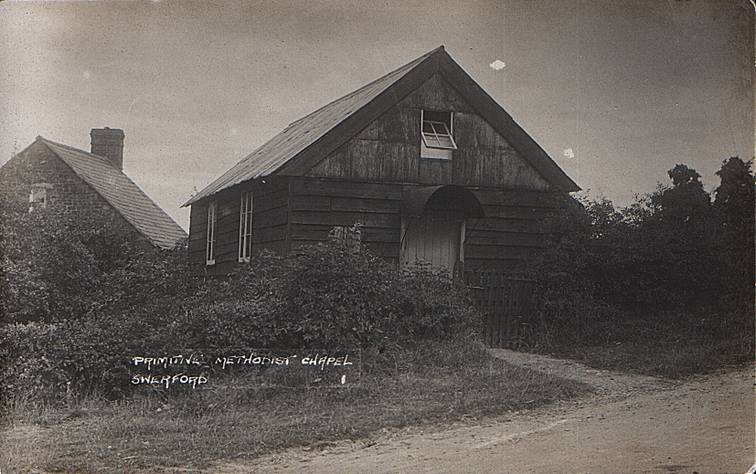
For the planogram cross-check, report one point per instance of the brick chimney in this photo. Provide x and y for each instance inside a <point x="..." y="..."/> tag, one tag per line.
<point x="108" y="142"/>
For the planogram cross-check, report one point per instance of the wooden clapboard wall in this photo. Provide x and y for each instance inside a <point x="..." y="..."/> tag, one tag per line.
<point x="317" y="205"/>
<point x="512" y="231"/>
<point x="515" y="197"/>
<point x="363" y="179"/>
<point x="269" y="229"/>
<point x="388" y="149"/>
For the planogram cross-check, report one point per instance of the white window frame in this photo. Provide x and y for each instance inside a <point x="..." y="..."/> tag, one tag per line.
<point x="38" y="196"/>
<point x="212" y="219"/>
<point x="246" y="220"/>
<point x="430" y="143"/>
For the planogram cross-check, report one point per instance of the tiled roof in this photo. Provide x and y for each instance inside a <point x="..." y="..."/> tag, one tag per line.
<point x="122" y="193"/>
<point x="302" y="133"/>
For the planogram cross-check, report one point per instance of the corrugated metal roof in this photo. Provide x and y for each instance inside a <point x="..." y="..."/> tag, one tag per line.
<point x="122" y="193"/>
<point x="302" y="133"/>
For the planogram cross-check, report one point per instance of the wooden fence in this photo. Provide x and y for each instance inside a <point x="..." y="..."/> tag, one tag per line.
<point x="507" y="304"/>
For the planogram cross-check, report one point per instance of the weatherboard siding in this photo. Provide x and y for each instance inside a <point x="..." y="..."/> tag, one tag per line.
<point x="512" y="232"/>
<point x="270" y="220"/>
<point x="297" y="212"/>
<point x="357" y="170"/>
<point x="318" y="205"/>
<point x="507" y="238"/>
<point x="388" y="149"/>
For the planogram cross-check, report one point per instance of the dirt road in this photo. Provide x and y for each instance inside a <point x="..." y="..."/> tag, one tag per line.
<point x="631" y="424"/>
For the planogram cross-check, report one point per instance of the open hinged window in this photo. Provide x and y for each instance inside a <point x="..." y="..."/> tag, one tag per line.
<point x="437" y="139"/>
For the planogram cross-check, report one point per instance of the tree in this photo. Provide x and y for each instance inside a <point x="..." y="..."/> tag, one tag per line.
<point x="734" y="198"/>
<point x="685" y="205"/>
<point x="734" y="204"/>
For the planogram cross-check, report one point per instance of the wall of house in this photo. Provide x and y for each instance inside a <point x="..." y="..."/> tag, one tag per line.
<point x="516" y="198"/>
<point x="67" y="194"/>
<point x="317" y="205"/>
<point x="363" y="180"/>
<point x="511" y="233"/>
<point x="389" y="148"/>
<point x="268" y="226"/>
<point x="506" y="239"/>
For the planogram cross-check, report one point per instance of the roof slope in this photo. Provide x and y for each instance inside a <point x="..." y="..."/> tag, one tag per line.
<point x="122" y="193"/>
<point x="302" y="133"/>
<point x="347" y="115"/>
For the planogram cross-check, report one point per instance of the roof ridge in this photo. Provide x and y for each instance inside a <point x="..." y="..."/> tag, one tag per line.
<point x="362" y="88"/>
<point x="79" y="150"/>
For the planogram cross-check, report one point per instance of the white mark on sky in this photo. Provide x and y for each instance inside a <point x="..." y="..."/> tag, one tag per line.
<point x="568" y="153"/>
<point x="498" y="65"/>
<point x="343" y="379"/>
<point x="86" y="74"/>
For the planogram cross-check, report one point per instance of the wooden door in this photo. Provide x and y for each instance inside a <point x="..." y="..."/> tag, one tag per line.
<point x="432" y="240"/>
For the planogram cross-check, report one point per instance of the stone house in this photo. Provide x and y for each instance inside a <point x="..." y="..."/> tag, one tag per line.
<point x="51" y="177"/>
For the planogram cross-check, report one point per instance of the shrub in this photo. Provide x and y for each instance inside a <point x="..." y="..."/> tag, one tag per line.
<point x="321" y="297"/>
<point x="611" y="274"/>
<point x="433" y="307"/>
<point x="328" y="296"/>
<point x="27" y="364"/>
<point x="131" y="313"/>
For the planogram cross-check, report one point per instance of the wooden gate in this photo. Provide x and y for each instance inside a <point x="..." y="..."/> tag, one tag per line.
<point x="507" y="304"/>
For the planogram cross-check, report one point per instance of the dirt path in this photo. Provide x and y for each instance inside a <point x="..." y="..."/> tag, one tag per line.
<point x="631" y="424"/>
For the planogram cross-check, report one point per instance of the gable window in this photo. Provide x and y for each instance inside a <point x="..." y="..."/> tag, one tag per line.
<point x="211" y="220"/>
<point x="38" y="196"/>
<point x="245" y="227"/>
<point x="437" y="137"/>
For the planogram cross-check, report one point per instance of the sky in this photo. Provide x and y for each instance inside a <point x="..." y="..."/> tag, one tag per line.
<point x="616" y="92"/>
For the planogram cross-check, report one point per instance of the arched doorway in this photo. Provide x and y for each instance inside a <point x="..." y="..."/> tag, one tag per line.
<point x="433" y="226"/>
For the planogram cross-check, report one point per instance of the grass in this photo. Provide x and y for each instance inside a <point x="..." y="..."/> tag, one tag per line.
<point x="440" y="383"/>
<point x="670" y="344"/>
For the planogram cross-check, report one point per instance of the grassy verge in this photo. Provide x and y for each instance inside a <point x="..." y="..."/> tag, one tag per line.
<point x="442" y="383"/>
<point x="672" y="345"/>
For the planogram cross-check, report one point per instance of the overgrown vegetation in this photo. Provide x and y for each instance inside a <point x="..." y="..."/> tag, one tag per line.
<point x="81" y="302"/>
<point x="149" y="303"/>
<point x="663" y="286"/>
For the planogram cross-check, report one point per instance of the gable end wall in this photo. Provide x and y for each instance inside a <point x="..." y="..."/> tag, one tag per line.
<point x="69" y="194"/>
<point x="389" y="148"/>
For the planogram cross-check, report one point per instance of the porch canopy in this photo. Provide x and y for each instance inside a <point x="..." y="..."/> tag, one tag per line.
<point x="419" y="200"/>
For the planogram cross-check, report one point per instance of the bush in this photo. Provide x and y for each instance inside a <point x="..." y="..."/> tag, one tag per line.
<point x="328" y="296"/>
<point x="131" y="313"/>
<point x="321" y="297"/>
<point x="27" y="363"/>
<point x="433" y="307"/>
<point x="672" y="263"/>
